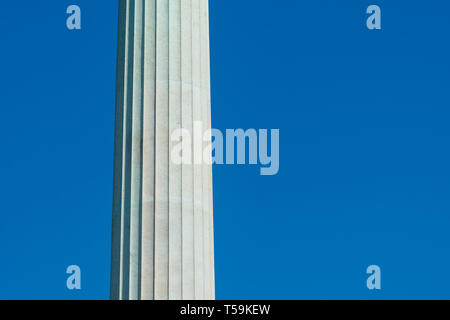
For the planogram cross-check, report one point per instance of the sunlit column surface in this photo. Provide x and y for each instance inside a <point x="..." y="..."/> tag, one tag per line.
<point x="162" y="242"/>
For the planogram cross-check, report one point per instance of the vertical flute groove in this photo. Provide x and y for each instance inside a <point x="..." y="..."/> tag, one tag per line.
<point x="148" y="175"/>
<point x="128" y="109"/>
<point x="115" y="286"/>
<point x="187" y="170"/>
<point x="175" y="174"/>
<point x="136" y="154"/>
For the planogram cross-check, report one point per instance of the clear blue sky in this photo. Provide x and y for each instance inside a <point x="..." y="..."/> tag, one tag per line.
<point x="364" y="170"/>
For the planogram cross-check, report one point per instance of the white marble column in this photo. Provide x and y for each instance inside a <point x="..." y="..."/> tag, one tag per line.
<point x="162" y="234"/>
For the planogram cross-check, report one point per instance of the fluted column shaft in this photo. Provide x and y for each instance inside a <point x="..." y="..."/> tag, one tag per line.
<point x="162" y="242"/>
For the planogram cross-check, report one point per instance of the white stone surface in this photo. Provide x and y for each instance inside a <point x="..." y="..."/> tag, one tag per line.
<point x="163" y="240"/>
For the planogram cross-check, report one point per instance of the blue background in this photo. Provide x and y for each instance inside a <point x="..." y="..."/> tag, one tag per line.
<point x="364" y="162"/>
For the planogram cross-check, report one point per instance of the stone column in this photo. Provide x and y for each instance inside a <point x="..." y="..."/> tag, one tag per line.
<point x="162" y="233"/>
